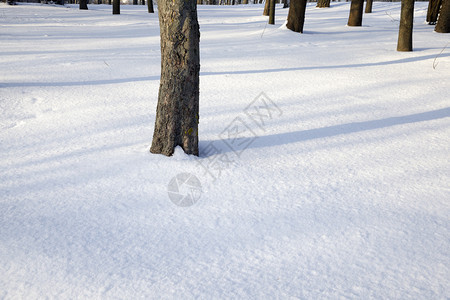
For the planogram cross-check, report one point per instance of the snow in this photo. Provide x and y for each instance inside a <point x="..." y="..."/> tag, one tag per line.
<point x="340" y="189"/>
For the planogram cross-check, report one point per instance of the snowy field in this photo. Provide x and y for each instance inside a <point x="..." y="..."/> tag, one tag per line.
<point x="340" y="189"/>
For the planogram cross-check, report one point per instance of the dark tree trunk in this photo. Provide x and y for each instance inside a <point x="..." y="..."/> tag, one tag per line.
<point x="178" y="101"/>
<point x="405" y="32"/>
<point x="443" y="23"/>
<point x="323" y="3"/>
<point x="369" y="6"/>
<point x="296" y="15"/>
<point x="116" y="7"/>
<point x="433" y="11"/>
<point x="356" y="13"/>
<point x="266" y="8"/>
<point x="150" y="6"/>
<point x="83" y="4"/>
<point x="272" y="12"/>
<point x="285" y="4"/>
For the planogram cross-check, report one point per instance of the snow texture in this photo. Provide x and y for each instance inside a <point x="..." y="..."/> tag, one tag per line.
<point x="324" y="166"/>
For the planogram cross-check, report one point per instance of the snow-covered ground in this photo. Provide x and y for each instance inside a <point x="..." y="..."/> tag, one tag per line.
<point x="339" y="189"/>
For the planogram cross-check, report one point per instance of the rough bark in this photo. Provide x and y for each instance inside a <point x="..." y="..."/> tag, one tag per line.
<point x="271" y="12"/>
<point x="116" y="7"/>
<point x="369" y="4"/>
<point x="443" y="22"/>
<point x="150" y="6"/>
<point x="433" y="11"/>
<point x="356" y="13"/>
<point x="178" y="100"/>
<point x="323" y="3"/>
<point x="296" y="15"/>
<point x="405" y="32"/>
<point x="83" y="4"/>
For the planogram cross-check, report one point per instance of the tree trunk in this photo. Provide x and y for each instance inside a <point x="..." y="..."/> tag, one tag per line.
<point x="443" y="22"/>
<point x="266" y="8"/>
<point x="405" y="32"/>
<point x="285" y="4"/>
<point x="116" y="7"/>
<point x="178" y="100"/>
<point x="296" y="15"/>
<point x="356" y="13"/>
<point x="323" y="3"/>
<point x="83" y="4"/>
<point x="150" y="6"/>
<point x="433" y="11"/>
<point x="271" y="12"/>
<point x="369" y="6"/>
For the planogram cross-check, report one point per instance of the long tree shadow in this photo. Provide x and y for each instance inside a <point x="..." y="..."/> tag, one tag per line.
<point x="78" y="83"/>
<point x="363" y="65"/>
<point x="239" y="144"/>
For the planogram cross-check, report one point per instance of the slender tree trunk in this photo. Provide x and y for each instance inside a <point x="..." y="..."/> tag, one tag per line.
<point x="116" y="7"/>
<point x="272" y="12"/>
<point x="433" y="11"/>
<point x="150" y="6"/>
<point x="443" y="22"/>
<point x="356" y="13"/>
<point x="266" y="8"/>
<point x="296" y="15"/>
<point x="285" y="4"/>
<point x="323" y="3"/>
<point x="245" y="2"/>
<point x="83" y="4"/>
<point x="405" y="32"/>
<point x="369" y="6"/>
<point x="178" y="100"/>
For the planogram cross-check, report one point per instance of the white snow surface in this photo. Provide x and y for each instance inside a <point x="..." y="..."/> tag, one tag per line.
<point x="339" y="190"/>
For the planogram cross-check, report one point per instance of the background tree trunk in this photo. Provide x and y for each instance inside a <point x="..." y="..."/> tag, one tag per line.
<point x="83" y="4"/>
<point x="443" y="22"/>
<point x="323" y="3"/>
<point x="285" y="4"/>
<point x="116" y="7"/>
<point x="369" y="6"/>
<point x="433" y="11"/>
<point x="272" y="12"/>
<point x="150" y="6"/>
<point x="296" y="15"/>
<point x="178" y="100"/>
<point x="405" y="31"/>
<point x="356" y="13"/>
<point x="266" y="8"/>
